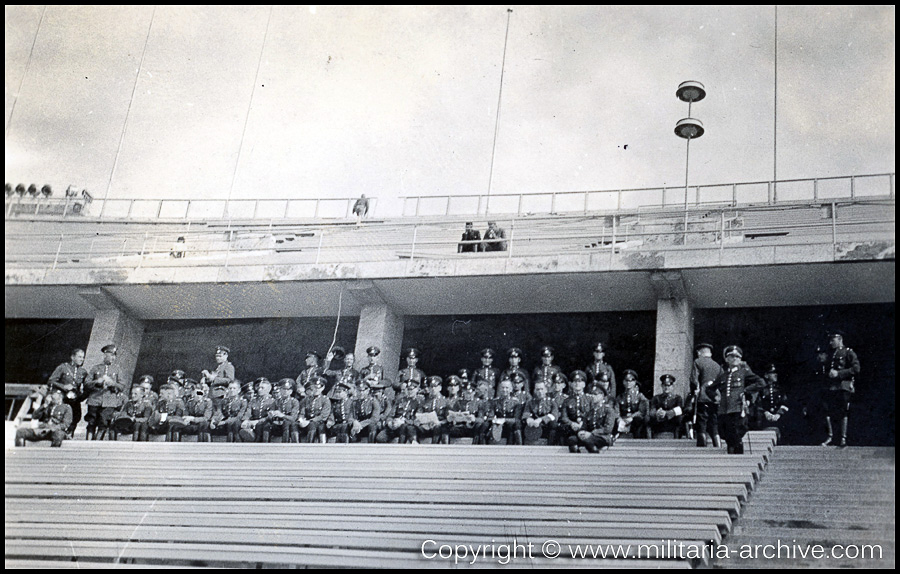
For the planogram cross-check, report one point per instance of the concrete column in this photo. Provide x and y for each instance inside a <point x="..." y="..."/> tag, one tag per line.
<point x="113" y="325"/>
<point x="379" y="325"/>
<point x="674" y="331"/>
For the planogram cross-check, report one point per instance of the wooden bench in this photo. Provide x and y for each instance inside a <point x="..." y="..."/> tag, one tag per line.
<point x="163" y="504"/>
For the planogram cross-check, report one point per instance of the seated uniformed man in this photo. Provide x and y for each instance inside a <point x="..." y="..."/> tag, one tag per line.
<point x="314" y="412"/>
<point x="146" y="383"/>
<point x="540" y="416"/>
<point x="340" y="422"/>
<point x="465" y="416"/>
<point x="431" y="416"/>
<point x="596" y="432"/>
<point x="520" y="392"/>
<point x="771" y="403"/>
<point x="259" y="402"/>
<point x="574" y="412"/>
<point x="168" y="406"/>
<point x="228" y="417"/>
<point x="134" y="416"/>
<point x="198" y="411"/>
<point x="282" y="418"/>
<point x="400" y="425"/>
<point x="366" y="414"/>
<point x="666" y="410"/>
<point x="49" y="422"/>
<point x="634" y="408"/>
<point x="506" y="416"/>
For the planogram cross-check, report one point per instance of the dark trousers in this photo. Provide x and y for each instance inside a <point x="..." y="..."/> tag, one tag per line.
<point x="592" y="444"/>
<point x="734" y="427"/>
<point x="512" y="432"/>
<point x="476" y="431"/>
<point x="404" y="433"/>
<point x="314" y="430"/>
<point x="98" y="418"/>
<point x="199" y="428"/>
<point x="76" y="413"/>
<point x="707" y="421"/>
<point x="369" y="431"/>
<point x="34" y="435"/>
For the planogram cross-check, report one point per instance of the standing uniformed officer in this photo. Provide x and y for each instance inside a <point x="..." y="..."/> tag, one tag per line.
<point x="412" y="372"/>
<point x="666" y="409"/>
<point x="600" y="367"/>
<point x="312" y="370"/>
<point x="634" y="408"/>
<point x="103" y="387"/>
<point x="515" y="368"/>
<point x="69" y="378"/>
<point x="505" y="415"/>
<point x="346" y="374"/>
<point x="734" y="384"/>
<point x="374" y="373"/>
<point x="435" y="403"/>
<point x="314" y="411"/>
<point x="843" y="368"/>
<point x="547" y="369"/>
<point x="53" y="419"/>
<point x="228" y="417"/>
<point x="597" y="431"/>
<point x="540" y="416"/>
<point x="219" y="378"/>
<point x="366" y="414"/>
<point x="704" y="372"/>
<point x="487" y="375"/>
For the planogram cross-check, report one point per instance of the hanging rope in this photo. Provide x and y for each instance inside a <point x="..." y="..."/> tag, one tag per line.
<point x="338" y="322"/>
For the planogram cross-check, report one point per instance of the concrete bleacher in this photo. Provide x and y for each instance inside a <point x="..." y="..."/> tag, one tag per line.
<point x="219" y="504"/>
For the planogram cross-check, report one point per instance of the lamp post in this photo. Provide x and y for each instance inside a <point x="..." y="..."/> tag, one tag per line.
<point x="689" y="128"/>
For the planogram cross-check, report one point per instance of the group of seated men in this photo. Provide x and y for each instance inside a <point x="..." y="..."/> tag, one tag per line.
<point x="485" y="404"/>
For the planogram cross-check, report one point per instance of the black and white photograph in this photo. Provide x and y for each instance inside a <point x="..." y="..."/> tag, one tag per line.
<point x="450" y="286"/>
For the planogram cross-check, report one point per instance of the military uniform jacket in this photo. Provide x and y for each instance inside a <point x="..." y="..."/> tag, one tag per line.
<point x="341" y="411"/>
<point x="705" y="371"/>
<point x="490" y="376"/>
<point x="56" y="418"/>
<point x="258" y="408"/>
<point x="463" y="405"/>
<point x="172" y="408"/>
<point x="385" y="406"/>
<point x="559" y="399"/>
<point x="199" y="408"/>
<point x="674" y="407"/>
<point x="521" y="396"/>
<point x="508" y="408"/>
<point x="405" y="407"/>
<point x="289" y="407"/>
<point x="771" y="400"/>
<point x="595" y="369"/>
<point x="471" y="235"/>
<point x="316" y="409"/>
<point x="436" y="405"/>
<point x="545" y="373"/>
<point x="633" y="404"/>
<point x="373" y="372"/>
<point x="411" y="374"/>
<point x="108" y="395"/>
<point x="223" y="375"/>
<point x="846" y="363"/>
<point x="140" y="410"/>
<point x="231" y="410"/>
<point x="67" y="377"/>
<point x="347" y="375"/>
<point x="733" y="384"/>
<point x="309" y="374"/>
<point x="539" y="408"/>
<point x="575" y="409"/>
<point x="366" y="409"/>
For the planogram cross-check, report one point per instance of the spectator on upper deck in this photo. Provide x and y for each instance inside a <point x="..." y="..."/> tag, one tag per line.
<point x="493" y="237"/>
<point x="361" y="208"/>
<point x="470" y="234"/>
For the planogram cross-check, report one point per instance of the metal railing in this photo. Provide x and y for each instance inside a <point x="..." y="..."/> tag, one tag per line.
<point x="254" y="244"/>
<point x="190" y="209"/>
<point x="565" y="202"/>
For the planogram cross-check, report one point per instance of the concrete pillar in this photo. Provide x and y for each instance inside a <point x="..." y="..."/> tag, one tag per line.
<point x="379" y="325"/>
<point x="113" y="325"/>
<point x="674" y="331"/>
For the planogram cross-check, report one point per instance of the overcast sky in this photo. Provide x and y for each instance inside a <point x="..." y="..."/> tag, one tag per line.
<point x="261" y="102"/>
